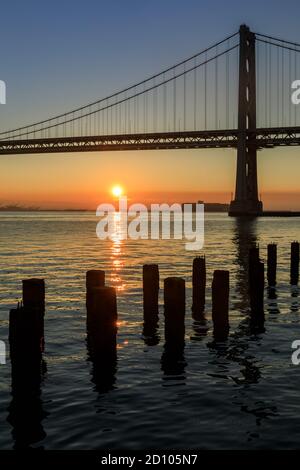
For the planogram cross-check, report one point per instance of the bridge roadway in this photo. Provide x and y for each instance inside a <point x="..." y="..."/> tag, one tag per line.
<point x="262" y="138"/>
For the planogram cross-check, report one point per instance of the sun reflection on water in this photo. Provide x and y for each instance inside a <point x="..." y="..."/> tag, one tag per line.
<point x="117" y="263"/>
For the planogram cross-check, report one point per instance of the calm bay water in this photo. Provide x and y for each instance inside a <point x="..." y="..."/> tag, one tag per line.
<point x="241" y="394"/>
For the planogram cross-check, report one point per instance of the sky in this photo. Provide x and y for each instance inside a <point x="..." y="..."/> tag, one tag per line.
<point x="62" y="54"/>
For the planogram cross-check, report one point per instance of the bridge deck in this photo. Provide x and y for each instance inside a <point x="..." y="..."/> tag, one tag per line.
<point x="265" y="138"/>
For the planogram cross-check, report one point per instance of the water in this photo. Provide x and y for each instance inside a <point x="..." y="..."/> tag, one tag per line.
<point x="241" y="394"/>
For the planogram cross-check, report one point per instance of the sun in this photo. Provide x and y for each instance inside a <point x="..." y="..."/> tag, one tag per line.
<point x="117" y="191"/>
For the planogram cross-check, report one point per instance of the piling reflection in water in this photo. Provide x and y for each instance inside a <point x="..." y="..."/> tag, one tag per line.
<point x="200" y="328"/>
<point x="272" y="293"/>
<point x="272" y="304"/>
<point x="25" y="412"/>
<point x="295" y="298"/>
<point x="150" y="331"/>
<point x="104" y="366"/>
<point x="236" y="349"/>
<point x="173" y="362"/>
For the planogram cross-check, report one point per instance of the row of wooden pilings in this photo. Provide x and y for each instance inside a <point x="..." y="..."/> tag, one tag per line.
<point x="26" y="323"/>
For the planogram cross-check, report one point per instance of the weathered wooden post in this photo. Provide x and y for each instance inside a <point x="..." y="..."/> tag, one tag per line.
<point x="102" y="327"/>
<point x="253" y="258"/>
<point x="199" y="284"/>
<point x="220" y="304"/>
<point x="294" y="263"/>
<point x="94" y="278"/>
<point x="26" y="327"/>
<point x="26" y="340"/>
<point x="257" y="283"/>
<point x="174" y="300"/>
<point x="34" y="294"/>
<point x="272" y="264"/>
<point x="150" y="298"/>
<point x="253" y="275"/>
<point x="33" y="298"/>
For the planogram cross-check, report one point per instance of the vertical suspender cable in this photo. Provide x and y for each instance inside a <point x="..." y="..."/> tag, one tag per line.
<point x="205" y="90"/>
<point x="195" y="95"/>
<point x="174" y="100"/>
<point x="216" y="90"/>
<point x="282" y="86"/>
<point x="184" y="99"/>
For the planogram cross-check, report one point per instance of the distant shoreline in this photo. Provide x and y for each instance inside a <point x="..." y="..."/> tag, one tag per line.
<point x="80" y="210"/>
<point x="208" y="207"/>
<point x="45" y="210"/>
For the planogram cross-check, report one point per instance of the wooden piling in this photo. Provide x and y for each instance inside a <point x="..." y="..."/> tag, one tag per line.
<point x="294" y="273"/>
<point x="150" y="291"/>
<point x="253" y="268"/>
<point x="34" y="293"/>
<point x="199" y="284"/>
<point x="254" y="252"/>
<point x="26" y="336"/>
<point x="102" y="326"/>
<point x="253" y="257"/>
<point x="26" y="341"/>
<point x="27" y="320"/>
<point x="220" y="304"/>
<point x="174" y="302"/>
<point x="257" y="292"/>
<point x="272" y="264"/>
<point x="94" y="278"/>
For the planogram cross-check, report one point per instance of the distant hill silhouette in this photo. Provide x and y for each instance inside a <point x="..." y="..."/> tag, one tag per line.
<point x="17" y="208"/>
<point x="208" y="207"/>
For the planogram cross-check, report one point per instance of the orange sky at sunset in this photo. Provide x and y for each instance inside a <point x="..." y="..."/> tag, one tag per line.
<point x="85" y="180"/>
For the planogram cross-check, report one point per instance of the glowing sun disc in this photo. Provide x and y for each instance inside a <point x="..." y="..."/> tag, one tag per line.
<point x="117" y="191"/>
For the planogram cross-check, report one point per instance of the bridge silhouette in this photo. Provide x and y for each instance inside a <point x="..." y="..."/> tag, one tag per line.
<point x="233" y="94"/>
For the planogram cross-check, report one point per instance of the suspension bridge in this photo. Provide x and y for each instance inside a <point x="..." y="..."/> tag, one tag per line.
<point x="233" y="94"/>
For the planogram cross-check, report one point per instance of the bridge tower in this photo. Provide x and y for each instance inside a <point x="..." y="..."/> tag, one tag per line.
<point x="246" y="200"/>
